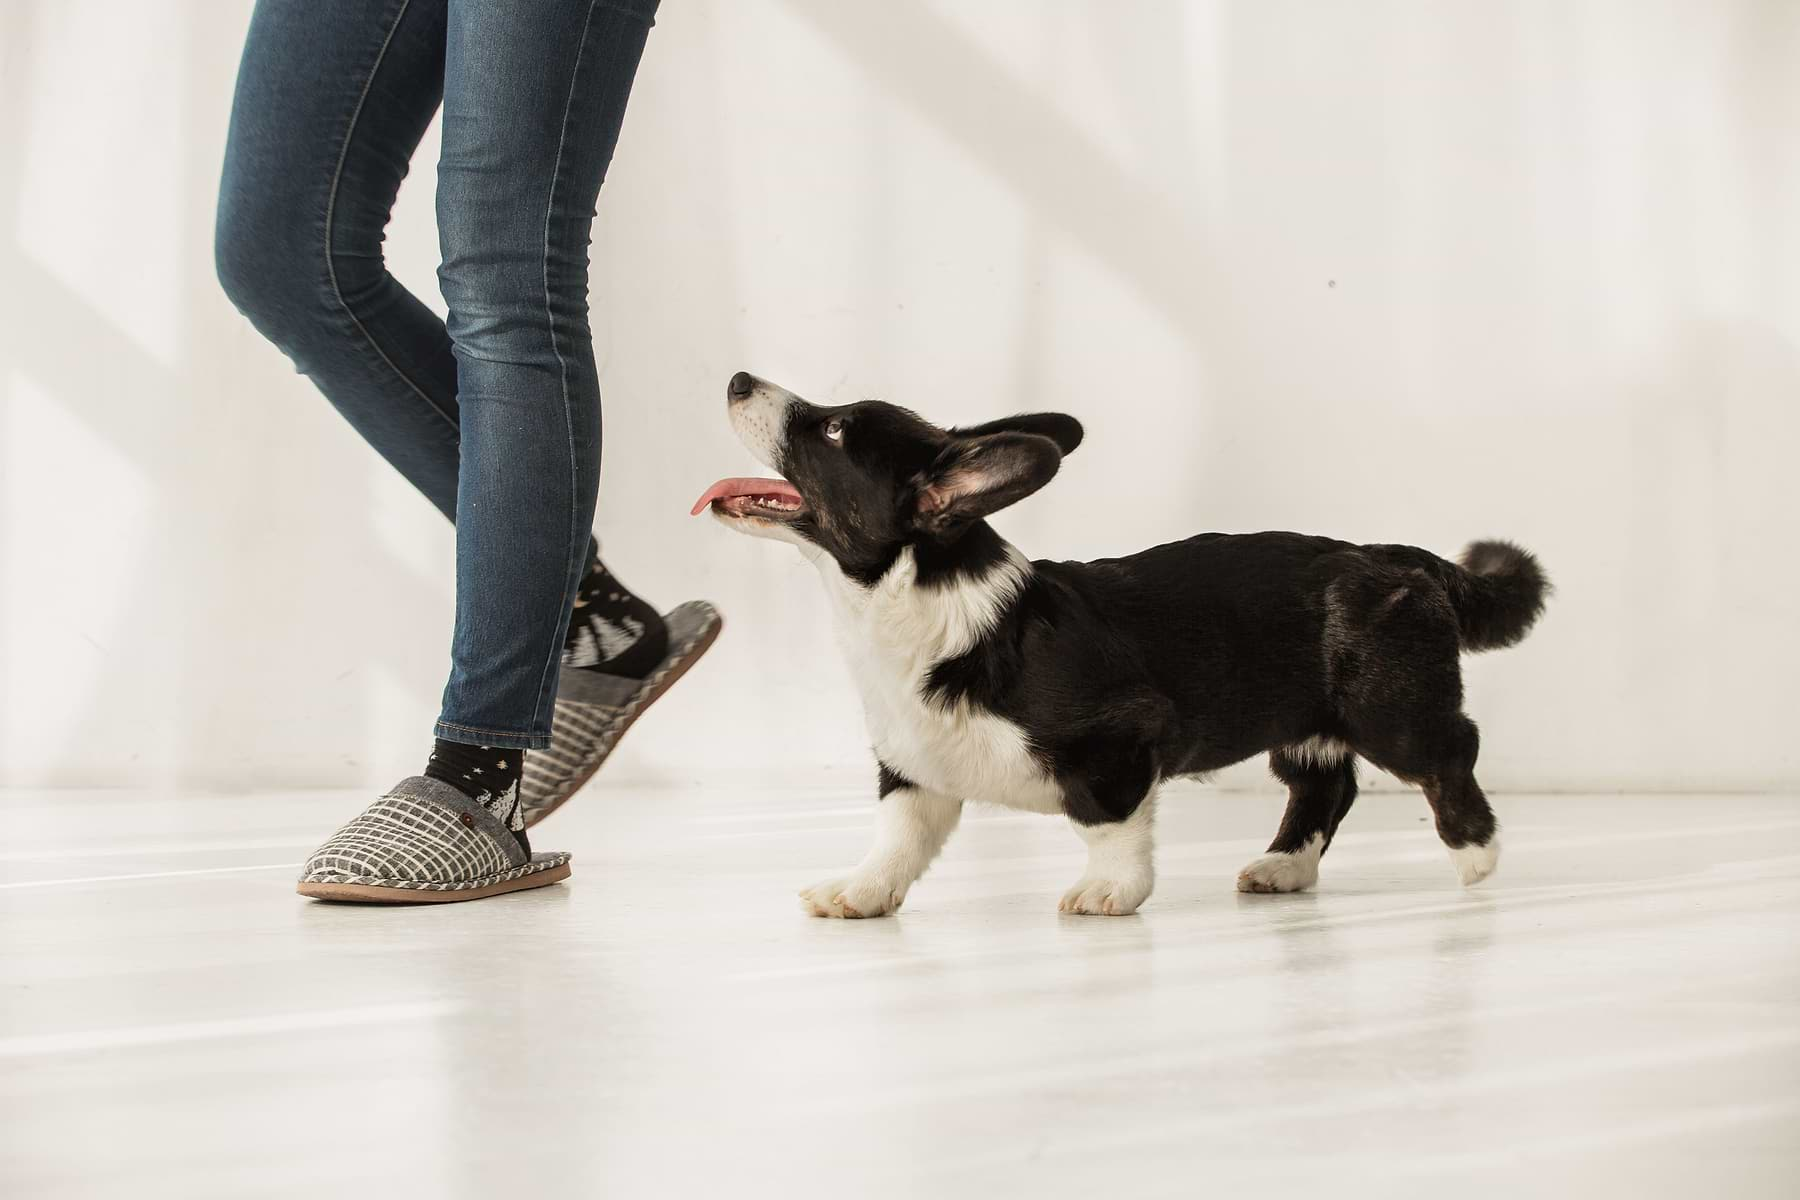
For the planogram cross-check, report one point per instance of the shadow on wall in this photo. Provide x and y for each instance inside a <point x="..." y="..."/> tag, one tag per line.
<point x="205" y="673"/>
<point x="1149" y="229"/>
<point x="274" y="607"/>
<point x="212" y="675"/>
<point x="1388" y="286"/>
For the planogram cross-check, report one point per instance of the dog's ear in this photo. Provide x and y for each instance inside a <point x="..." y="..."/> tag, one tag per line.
<point x="981" y="474"/>
<point x="1060" y="428"/>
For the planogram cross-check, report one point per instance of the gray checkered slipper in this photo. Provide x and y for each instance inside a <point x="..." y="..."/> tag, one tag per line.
<point x="593" y="710"/>
<point x="423" y="842"/>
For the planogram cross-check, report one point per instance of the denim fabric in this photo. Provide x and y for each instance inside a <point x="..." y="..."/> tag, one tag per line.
<point x="494" y="415"/>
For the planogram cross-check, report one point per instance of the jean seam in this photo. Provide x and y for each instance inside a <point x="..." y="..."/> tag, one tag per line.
<point x="337" y="178"/>
<point x="480" y="729"/>
<point x="476" y="729"/>
<point x="562" y="364"/>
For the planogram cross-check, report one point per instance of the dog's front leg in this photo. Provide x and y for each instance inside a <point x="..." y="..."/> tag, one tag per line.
<point x="913" y="824"/>
<point x="1111" y="798"/>
<point x="1121" y="869"/>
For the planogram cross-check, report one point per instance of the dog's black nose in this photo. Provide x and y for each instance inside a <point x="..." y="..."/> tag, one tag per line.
<point x="742" y="383"/>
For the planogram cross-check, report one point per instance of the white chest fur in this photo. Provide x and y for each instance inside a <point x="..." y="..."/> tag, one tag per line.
<point x="893" y="634"/>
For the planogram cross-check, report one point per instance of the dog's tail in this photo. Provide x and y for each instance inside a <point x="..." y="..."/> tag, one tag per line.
<point x="1498" y="591"/>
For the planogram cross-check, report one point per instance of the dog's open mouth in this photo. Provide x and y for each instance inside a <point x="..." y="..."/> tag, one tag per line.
<point x="768" y="499"/>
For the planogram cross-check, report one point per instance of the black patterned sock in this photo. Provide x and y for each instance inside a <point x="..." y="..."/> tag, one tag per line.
<point x="612" y="630"/>
<point x="488" y="775"/>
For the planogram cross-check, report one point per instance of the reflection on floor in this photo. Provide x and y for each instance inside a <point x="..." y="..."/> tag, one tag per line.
<point x="1617" y="1012"/>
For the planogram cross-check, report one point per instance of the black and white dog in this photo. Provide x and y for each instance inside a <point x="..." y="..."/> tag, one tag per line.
<point x="1076" y="688"/>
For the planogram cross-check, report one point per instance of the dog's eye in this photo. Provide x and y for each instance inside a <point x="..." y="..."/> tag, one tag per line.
<point x="834" y="430"/>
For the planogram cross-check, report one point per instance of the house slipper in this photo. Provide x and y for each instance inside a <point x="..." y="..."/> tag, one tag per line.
<point x="424" y="842"/>
<point x="594" y="709"/>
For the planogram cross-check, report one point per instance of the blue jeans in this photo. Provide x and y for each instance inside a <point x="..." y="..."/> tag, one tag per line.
<point x="495" y="414"/>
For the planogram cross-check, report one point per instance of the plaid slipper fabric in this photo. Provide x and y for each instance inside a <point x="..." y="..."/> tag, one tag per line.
<point x="593" y="710"/>
<point x="425" y="841"/>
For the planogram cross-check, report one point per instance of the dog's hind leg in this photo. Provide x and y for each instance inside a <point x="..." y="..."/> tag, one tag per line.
<point x="1441" y="759"/>
<point x="1321" y="777"/>
<point x="914" y="823"/>
<point x="1465" y="820"/>
<point x="1396" y="648"/>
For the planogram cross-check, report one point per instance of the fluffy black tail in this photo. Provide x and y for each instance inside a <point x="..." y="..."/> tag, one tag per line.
<point x="1498" y="594"/>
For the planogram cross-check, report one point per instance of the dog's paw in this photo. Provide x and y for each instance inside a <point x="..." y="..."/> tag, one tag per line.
<point x="1475" y="863"/>
<point x="1280" y="873"/>
<point x="1107" y="897"/>
<point x="852" y="898"/>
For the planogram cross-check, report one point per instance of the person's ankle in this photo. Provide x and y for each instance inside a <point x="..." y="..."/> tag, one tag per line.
<point x="488" y="775"/>
<point x="612" y="630"/>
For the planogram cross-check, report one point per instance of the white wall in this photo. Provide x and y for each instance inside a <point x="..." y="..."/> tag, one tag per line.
<point x="1410" y="271"/>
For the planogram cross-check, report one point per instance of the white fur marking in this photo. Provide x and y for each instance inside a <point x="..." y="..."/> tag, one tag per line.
<point x="1280" y="872"/>
<point x="760" y="421"/>
<point x="912" y="826"/>
<point x="1317" y="751"/>
<point x="893" y="633"/>
<point x="1121" y="868"/>
<point x="1475" y="863"/>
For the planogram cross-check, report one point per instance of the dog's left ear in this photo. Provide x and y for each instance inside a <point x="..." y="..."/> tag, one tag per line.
<point x="982" y="473"/>
<point x="1060" y="428"/>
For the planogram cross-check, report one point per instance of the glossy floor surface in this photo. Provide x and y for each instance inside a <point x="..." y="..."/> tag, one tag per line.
<point x="1615" y="1013"/>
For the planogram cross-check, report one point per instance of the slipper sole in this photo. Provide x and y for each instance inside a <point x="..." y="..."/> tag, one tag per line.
<point x="369" y="893"/>
<point x="639" y="706"/>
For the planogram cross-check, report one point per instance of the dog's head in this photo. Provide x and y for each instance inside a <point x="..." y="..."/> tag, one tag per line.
<point x="861" y="482"/>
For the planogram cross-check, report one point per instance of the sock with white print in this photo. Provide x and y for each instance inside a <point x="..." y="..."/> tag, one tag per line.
<point x="488" y="775"/>
<point x="612" y="630"/>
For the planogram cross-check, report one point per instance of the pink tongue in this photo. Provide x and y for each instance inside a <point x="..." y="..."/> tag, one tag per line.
<point x="726" y="488"/>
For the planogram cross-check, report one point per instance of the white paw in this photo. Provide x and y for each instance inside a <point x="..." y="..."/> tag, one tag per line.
<point x="1475" y="863"/>
<point x="1107" y="897"/>
<point x="1284" y="872"/>
<point x="853" y="897"/>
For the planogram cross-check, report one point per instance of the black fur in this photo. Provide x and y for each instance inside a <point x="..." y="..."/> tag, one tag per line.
<point x="1319" y="796"/>
<point x="1186" y="657"/>
<point x="1502" y="593"/>
<point x="880" y="475"/>
<point x="1060" y="428"/>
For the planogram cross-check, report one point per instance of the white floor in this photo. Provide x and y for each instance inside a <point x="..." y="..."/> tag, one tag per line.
<point x="1616" y="1013"/>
